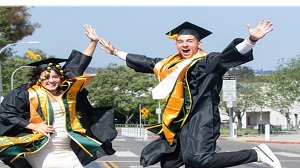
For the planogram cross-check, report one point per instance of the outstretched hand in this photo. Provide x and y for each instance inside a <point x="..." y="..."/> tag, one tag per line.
<point x="107" y="46"/>
<point x="91" y="33"/>
<point x="261" y="30"/>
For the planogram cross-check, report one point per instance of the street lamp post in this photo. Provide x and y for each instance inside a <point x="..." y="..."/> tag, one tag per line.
<point x="12" y="76"/>
<point x="8" y="45"/>
<point x="12" y="44"/>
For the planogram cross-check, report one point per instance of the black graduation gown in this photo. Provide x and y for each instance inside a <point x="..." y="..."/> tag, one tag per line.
<point x="98" y="122"/>
<point x="196" y="141"/>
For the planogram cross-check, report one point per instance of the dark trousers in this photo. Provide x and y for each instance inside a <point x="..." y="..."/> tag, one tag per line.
<point x="228" y="159"/>
<point x="218" y="160"/>
<point x="18" y="163"/>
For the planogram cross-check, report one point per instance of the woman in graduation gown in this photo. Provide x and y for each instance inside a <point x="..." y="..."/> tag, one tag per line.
<point x="190" y="82"/>
<point x="49" y="121"/>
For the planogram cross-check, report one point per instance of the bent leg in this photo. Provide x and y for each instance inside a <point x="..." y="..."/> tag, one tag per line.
<point x="174" y="159"/>
<point x="159" y="150"/>
<point x="228" y="159"/>
<point x="198" y="140"/>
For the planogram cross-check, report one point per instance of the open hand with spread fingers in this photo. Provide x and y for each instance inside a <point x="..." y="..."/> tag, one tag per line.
<point x="108" y="47"/>
<point x="260" y="30"/>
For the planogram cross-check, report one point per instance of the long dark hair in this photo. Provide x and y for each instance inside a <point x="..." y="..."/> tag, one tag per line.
<point x="35" y="73"/>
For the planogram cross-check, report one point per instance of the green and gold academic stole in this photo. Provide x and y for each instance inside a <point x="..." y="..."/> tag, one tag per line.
<point x="73" y="126"/>
<point x="179" y="101"/>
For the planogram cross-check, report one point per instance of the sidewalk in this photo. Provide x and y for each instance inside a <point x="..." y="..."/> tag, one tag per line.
<point x="287" y="138"/>
<point x="274" y="138"/>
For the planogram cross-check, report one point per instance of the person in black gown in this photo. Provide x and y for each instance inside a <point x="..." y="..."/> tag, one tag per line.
<point x="190" y="82"/>
<point x="49" y="121"/>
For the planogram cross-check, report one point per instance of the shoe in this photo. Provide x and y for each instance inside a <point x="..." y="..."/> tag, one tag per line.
<point x="266" y="156"/>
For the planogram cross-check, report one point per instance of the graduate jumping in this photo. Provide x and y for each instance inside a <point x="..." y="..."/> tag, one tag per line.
<point x="190" y="82"/>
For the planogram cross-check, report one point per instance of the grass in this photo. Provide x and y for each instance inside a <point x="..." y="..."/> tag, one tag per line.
<point x="225" y="132"/>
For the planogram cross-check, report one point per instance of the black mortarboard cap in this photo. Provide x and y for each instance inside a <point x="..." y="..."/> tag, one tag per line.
<point x="188" y="28"/>
<point x="47" y="61"/>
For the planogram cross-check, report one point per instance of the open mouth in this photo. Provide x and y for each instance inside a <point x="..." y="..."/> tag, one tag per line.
<point x="186" y="50"/>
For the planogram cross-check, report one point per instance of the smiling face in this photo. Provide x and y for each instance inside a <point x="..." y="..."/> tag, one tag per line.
<point x="187" y="45"/>
<point x="52" y="81"/>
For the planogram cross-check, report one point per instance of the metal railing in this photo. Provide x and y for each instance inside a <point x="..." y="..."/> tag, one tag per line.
<point x="134" y="130"/>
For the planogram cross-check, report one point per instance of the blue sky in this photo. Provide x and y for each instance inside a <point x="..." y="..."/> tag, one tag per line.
<point x="141" y="30"/>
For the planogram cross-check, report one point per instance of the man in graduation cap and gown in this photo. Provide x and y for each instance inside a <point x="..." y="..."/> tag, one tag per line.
<point x="50" y="118"/>
<point x="190" y="82"/>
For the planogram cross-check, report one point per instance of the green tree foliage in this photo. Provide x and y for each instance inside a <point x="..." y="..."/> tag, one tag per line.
<point x="278" y="90"/>
<point x="123" y="88"/>
<point x="248" y="93"/>
<point x="261" y="96"/>
<point x="15" y="24"/>
<point x="253" y="96"/>
<point x="11" y="65"/>
<point x="284" y="85"/>
<point x="241" y="73"/>
<point x="245" y="100"/>
<point x="16" y="65"/>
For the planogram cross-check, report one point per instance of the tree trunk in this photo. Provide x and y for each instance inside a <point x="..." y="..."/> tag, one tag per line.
<point x="128" y="118"/>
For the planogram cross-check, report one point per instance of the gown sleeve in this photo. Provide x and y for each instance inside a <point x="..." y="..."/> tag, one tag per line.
<point x="76" y="64"/>
<point x="141" y="63"/>
<point x="220" y="63"/>
<point x="14" y="112"/>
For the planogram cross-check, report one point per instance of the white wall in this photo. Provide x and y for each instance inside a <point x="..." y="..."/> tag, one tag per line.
<point x="271" y="117"/>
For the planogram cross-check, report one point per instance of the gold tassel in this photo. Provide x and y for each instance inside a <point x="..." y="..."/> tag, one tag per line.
<point x="174" y="36"/>
<point x="33" y="55"/>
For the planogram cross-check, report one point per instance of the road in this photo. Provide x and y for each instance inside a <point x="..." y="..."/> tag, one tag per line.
<point x="128" y="151"/>
<point x="288" y="154"/>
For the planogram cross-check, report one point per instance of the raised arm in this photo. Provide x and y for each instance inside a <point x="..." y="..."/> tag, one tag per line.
<point x="92" y="35"/>
<point x="259" y="31"/>
<point x="255" y="34"/>
<point x="108" y="47"/>
<point x="79" y="61"/>
<point x="229" y="58"/>
<point x="140" y="63"/>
